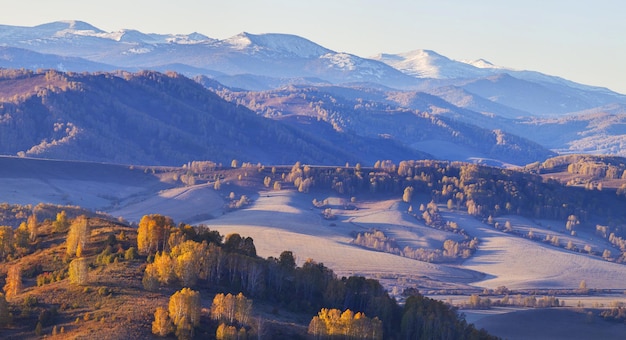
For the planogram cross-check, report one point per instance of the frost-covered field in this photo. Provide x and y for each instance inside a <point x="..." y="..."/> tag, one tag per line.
<point x="519" y="263"/>
<point x="285" y="220"/>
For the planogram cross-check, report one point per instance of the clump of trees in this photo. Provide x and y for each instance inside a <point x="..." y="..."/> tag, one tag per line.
<point x="424" y="318"/>
<point x="153" y="233"/>
<point x="233" y="313"/>
<point x="451" y="249"/>
<point x="332" y="323"/>
<point x="379" y="241"/>
<point x="181" y="316"/>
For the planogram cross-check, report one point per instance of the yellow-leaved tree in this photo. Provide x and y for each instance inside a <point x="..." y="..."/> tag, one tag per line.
<point x="77" y="236"/>
<point x="33" y="227"/>
<point x="184" y="310"/>
<point x="7" y="241"/>
<point x="13" y="284"/>
<point x="78" y="271"/>
<point x="230" y="308"/>
<point x="334" y="323"/>
<point x="162" y="324"/>
<point x="153" y="233"/>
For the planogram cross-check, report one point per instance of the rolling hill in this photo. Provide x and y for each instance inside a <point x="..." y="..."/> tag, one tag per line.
<point x="168" y="119"/>
<point x="153" y="118"/>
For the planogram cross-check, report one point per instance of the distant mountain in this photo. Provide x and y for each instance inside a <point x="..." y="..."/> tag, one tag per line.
<point x="429" y="124"/>
<point x="478" y="95"/>
<point x="153" y="118"/>
<point x="430" y="64"/>
<point x="273" y="55"/>
<point x="13" y="57"/>
<point x="525" y="91"/>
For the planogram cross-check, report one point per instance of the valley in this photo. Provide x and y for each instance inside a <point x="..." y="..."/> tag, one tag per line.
<point x="306" y="178"/>
<point x="287" y="220"/>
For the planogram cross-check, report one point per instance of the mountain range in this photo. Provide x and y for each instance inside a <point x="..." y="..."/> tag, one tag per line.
<point x="408" y="105"/>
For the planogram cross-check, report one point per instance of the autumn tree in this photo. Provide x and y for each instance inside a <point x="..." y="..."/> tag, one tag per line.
<point x="150" y="280"/>
<point x="61" y="223"/>
<point x="13" y="284"/>
<point x="333" y="323"/>
<point x="267" y="181"/>
<point x="21" y="237"/>
<point x="153" y="233"/>
<point x="162" y="324"/>
<point x="6" y="241"/>
<point x="572" y="221"/>
<point x="190" y="261"/>
<point x="33" y="227"/>
<point x="408" y="194"/>
<point x="164" y="267"/>
<point x="184" y="310"/>
<point x="77" y="236"/>
<point x="230" y="308"/>
<point x="78" y="271"/>
<point x="226" y="332"/>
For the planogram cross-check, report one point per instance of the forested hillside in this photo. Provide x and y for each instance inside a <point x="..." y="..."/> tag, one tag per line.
<point x="167" y="119"/>
<point x="414" y="119"/>
<point x="93" y="277"/>
<point x="154" y="118"/>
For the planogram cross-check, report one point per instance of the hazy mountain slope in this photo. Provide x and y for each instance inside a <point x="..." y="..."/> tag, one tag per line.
<point x="414" y="119"/>
<point x="152" y="118"/>
<point x="520" y="90"/>
<point x="462" y="98"/>
<point x="12" y="57"/>
<point x="478" y="94"/>
<point x="601" y="131"/>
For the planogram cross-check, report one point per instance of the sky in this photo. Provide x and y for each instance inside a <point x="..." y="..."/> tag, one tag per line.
<point x="582" y="41"/>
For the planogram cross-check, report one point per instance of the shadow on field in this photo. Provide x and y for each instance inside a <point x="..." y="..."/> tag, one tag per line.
<point x="552" y="323"/>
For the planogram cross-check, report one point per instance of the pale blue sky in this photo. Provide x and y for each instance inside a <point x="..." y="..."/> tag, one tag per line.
<point x="583" y="41"/>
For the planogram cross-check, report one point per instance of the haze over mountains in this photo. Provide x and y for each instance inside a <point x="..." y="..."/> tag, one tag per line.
<point x="324" y="154"/>
<point x="414" y="104"/>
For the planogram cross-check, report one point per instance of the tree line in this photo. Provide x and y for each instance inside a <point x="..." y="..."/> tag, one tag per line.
<point x="199" y="258"/>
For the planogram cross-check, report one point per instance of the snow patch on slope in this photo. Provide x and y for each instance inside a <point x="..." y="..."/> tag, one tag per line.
<point x="286" y="44"/>
<point x="429" y="64"/>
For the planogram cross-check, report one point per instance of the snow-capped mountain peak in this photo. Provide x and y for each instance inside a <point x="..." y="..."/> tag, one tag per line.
<point x="193" y="38"/>
<point x="285" y="44"/>
<point x="429" y="64"/>
<point x="481" y="63"/>
<point x="67" y="26"/>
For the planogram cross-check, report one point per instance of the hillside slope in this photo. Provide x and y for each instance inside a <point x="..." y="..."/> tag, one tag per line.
<point x="154" y="118"/>
<point x="414" y="119"/>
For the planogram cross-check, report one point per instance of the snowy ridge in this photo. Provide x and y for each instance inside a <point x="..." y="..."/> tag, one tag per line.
<point x="268" y="55"/>
<point x="287" y="44"/>
<point x="429" y="64"/>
